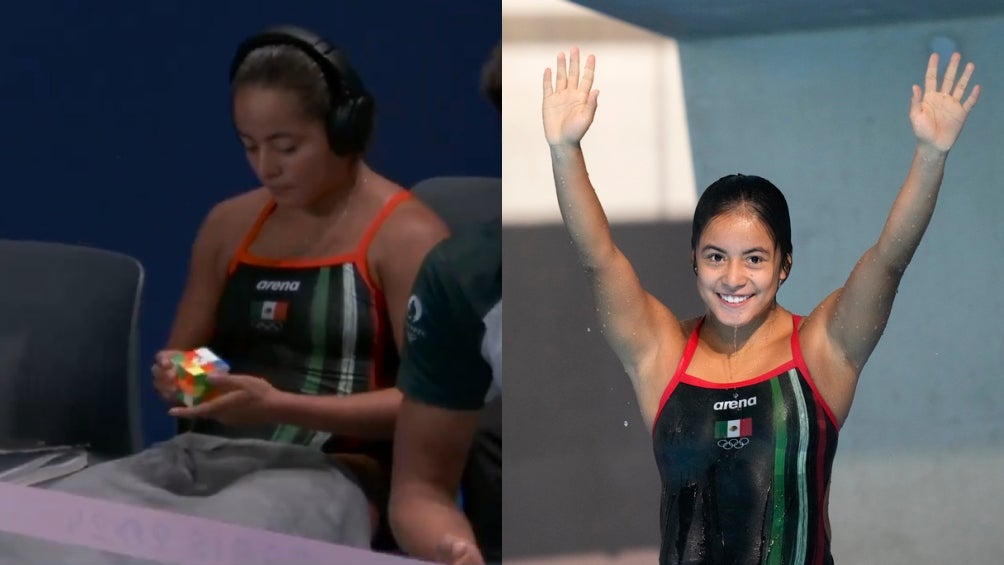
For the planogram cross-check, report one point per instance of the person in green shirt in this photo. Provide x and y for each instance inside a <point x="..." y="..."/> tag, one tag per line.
<point x="451" y="365"/>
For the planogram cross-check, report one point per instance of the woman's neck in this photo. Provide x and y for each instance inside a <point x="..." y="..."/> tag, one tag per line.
<point x="336" y="200"/>
<point x="729" y="340"/>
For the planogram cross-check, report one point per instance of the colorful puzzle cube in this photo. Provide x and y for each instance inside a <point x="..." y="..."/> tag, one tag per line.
<point x="193" y="369"/>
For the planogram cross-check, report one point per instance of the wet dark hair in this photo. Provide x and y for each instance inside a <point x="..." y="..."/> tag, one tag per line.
<point x="491" y="77"/>
<point x="754" y="194"/>
<point x="285" y="67"/>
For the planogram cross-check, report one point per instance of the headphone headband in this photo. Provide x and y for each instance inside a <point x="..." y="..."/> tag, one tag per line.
<point x="343" y="78"/>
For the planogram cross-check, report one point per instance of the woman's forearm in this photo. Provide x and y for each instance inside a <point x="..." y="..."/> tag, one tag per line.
<point x="369" y="415"/>
<point x="913" y="208"/>
<point x="581" y="210"/>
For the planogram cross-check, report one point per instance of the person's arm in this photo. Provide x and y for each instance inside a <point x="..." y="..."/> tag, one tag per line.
<point x="855" y="316"/>
<point x="634" y="323"/>
<point x="430" y="451"/>
<point x="397" y="254"/>
<point x="251" y="400"/>
<point x="195" y="317"/>
<point x="364" y="415"/>
<point x="445" y="378"/>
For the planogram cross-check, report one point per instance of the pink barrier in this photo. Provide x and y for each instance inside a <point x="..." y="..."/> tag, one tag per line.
<point x="164" y="536"/>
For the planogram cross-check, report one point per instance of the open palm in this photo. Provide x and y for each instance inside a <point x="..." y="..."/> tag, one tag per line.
<point x="570" y="103"/>
<point x="937" y="115"/>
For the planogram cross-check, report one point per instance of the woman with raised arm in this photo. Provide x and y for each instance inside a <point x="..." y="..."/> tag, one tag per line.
<point x="745" y="401"/>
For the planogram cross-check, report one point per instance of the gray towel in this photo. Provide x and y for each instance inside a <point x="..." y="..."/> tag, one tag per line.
<point x="281" y="488"/>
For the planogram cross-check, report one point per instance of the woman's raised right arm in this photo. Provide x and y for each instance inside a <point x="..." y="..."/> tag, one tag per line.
<point x="634" y="322"/>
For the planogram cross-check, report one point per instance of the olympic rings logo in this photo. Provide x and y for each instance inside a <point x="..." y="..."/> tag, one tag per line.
<point x="734" y="443"/>
<point x="268" y="326"/>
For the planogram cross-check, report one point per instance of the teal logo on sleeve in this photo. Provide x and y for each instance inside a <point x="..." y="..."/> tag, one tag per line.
<point x="415" y="311"/>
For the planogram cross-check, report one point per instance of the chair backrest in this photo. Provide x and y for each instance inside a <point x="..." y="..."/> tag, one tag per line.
<point x="69" y="345"/>
<point x="462" y="202"/>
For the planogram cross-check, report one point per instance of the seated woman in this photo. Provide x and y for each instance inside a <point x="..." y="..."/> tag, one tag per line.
<point x="301" y="286"/>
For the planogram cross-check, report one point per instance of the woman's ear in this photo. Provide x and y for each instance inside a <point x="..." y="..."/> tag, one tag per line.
<point x="786" y="268"/>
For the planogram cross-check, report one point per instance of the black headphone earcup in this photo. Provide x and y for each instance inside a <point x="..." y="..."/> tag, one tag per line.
<point x="351" y="124"/>
<point x="340" y="133"/>
<point x="363" y="117"/>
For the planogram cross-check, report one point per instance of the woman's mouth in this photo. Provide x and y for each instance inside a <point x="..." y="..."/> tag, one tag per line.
<point x="279" y="187"/>
<point x="734" y="299"/>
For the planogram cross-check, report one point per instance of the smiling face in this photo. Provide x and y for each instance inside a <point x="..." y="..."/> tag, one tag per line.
<point x="739" y="267"/>
<point x="287" y="148"/>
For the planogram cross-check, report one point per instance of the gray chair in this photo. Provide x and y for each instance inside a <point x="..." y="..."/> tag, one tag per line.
<point x="462" y="202"/>
<point x="69" y="346"/>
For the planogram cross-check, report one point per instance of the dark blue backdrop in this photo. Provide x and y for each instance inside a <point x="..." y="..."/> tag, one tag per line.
<point x="117" y="129"/>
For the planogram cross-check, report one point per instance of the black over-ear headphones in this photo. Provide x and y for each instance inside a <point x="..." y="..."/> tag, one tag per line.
<point x="351" y="111"/>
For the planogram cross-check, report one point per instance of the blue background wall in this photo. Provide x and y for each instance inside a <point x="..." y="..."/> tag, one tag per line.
<point x="117" y="130"/>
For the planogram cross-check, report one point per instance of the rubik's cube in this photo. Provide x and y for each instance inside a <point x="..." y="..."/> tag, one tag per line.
<point x="193" y="369"/>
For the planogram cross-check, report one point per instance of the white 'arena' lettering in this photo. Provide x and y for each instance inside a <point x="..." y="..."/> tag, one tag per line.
<point x="734" y="404"/>
<point x="286" y="286"/>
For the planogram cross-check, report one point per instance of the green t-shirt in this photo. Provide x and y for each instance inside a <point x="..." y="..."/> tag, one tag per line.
<point x="453" y="352"/>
